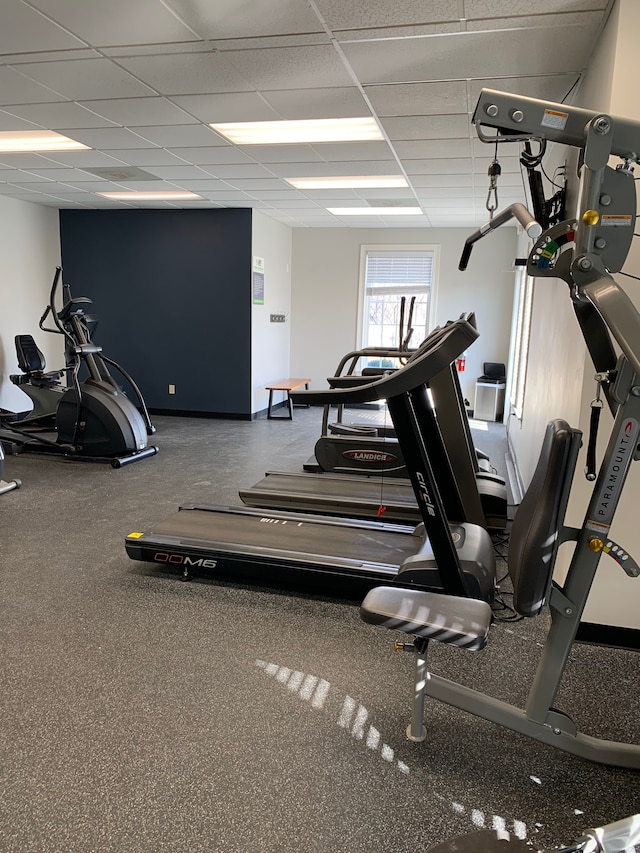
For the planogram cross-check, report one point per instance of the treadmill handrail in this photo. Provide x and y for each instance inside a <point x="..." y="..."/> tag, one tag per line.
<point x="441" y="347"/>
<point x="370" y="352"/>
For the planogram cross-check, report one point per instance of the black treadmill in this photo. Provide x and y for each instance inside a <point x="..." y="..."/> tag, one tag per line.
<point x="376" y="498"/>
<point x="337" y="556"/>
<point x="483" y="495"/>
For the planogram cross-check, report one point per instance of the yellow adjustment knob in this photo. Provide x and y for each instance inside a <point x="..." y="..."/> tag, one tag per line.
<point x="596" y="545"/>
<point x="591" y="217"/>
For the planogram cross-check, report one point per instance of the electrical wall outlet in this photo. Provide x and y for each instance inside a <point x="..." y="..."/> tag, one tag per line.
<point x="277" y="318"/>
<point x="172" y="389"/>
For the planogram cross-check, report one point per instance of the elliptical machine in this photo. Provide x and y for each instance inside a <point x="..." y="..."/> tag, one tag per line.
<point x="91" y="419"/>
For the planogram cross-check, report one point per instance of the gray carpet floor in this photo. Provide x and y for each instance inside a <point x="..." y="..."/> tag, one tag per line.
<point x="139" y="713"/>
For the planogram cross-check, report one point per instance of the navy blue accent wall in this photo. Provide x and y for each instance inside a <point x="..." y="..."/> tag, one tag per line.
<point x="172" y="293"/>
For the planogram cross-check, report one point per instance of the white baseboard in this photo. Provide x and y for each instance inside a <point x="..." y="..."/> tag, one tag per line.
<point x="515" y="480"/>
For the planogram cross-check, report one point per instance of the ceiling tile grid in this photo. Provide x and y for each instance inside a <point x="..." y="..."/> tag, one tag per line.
<point x="140" y="82"/>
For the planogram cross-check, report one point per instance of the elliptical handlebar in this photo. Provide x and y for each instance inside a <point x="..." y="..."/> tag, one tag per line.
<point x="79" y="346"/>
<point x="50" y="309"/>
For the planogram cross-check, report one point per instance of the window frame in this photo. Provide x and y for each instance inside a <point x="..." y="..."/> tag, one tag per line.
<point x="521" y="330"/>
<point x="432" y="248"/>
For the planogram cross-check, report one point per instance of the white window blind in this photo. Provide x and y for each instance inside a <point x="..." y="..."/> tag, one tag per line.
<point x="389" y="276"/>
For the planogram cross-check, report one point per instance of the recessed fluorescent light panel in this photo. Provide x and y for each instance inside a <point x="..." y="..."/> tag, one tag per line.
<point x="376" y="211"/>
<point x="158" y="195"/>
<point x="37" y="140"/>
<point x="299" y="131"/>
<point x="353" y="183"/>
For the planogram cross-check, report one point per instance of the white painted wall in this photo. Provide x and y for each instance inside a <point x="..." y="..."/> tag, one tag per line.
<point x="325" y="293"/>
<point x="29" y="254"/>
<point x="270" y="342"/>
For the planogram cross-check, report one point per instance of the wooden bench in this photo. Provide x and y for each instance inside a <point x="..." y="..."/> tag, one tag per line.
<point x="285" y="385"/>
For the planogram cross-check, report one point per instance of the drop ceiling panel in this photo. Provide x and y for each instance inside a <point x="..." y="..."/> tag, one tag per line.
<point x="460" y="203"/>
<point x="251" y="185"/>
<point x="146" y="186"/>
<point x="249" y="202"/>
<point x="139" y="111"/>
<point x="315" y="170"/>
<point x="412" y="31"/>
<point x="225" y="19"/>
<point x="155" y="49"/>
<point x="25" y="30"/>
<point x="178" y="173"/>
<point x="240" y="170"/>
<point x="180" y="136"/>
<point x="208" y="184"/>
<point x="146" y="157"/>
<point x="12" y="122"/>
<point x="111" y="137"/>
<point x="27" y="196"/>
<point x="50" y="56"/>
<point x="84" y="79"/>
<point x="337" y="168"/>
<point x="15" y="88"/>
<point x="507" y="8"/>
<point x="443" y="181"/>
<point x="226" y="195"/>
<point x="65" y="175"/>
<point x="18" y="175"/>
<point x="55" y="116"/>
<point x="418" y="99"/>
<point x="313" y="66"/>
<point x="116" y="22"/>
<point x="94" y="186"/>
<point x="301" y="203"/>
<point x="341" y="151"/>
<point x="210" y="156"/>
<point x="571" y="19"/>
<point x="273" y="196"/>
<point x="80" y="159"/>
<point x="239" y="106"/>
<point x="37" y="184"/>
<point x="461" y="165"/>
<point x="432" y="148"/>
<point x="18" y="192"/>
<point x="396" y="193"/>
<point x="362" y="14"/>
<point x="469" y="55"/>
<point x="329" y="198"/>
<point x="339" y="102"/>
<point x="280" y="153"/>
<point x="430" y="194"/>
<point x="187" y="73"/>
<point x="428" y="127"/>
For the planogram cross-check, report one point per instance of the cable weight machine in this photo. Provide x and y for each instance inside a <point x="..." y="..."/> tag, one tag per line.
<point x="584" y="252"/>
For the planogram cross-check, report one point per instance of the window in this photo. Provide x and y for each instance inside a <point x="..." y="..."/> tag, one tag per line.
<point x="520" y="346"/>
<point x="389" y="275"/>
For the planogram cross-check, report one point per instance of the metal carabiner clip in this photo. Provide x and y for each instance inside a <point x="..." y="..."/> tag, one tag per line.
<point x="493" y="172"/>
